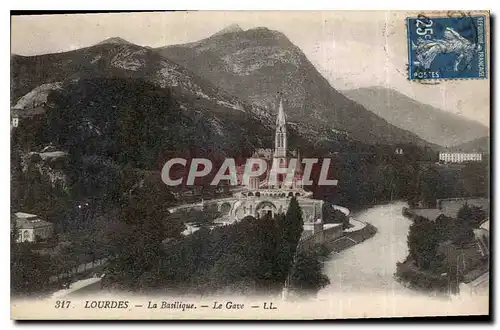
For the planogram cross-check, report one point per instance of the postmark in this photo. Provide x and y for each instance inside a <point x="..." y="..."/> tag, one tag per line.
<point x="449" y="46"/>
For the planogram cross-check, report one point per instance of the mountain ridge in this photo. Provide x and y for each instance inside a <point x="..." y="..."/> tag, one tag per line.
<point x="225" y="116"/>
<point x="430" y="123"/>
<point x="260" y="66"/>
<point x="481" y="144"/>
<point x="115" y="40"/>
<point x="222" y="111"/>
<point x="111" y="59"/>
<point x="233" y="28"/>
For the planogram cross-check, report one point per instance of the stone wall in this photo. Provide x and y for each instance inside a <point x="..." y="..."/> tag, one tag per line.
<point x="321" y="237"/>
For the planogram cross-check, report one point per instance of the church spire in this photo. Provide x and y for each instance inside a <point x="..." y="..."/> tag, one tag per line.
<point x="281" y="119"/>
<point x="280" y="140"/>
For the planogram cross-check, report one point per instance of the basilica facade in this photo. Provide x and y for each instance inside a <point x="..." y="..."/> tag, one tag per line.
<point x="271" y="192"/>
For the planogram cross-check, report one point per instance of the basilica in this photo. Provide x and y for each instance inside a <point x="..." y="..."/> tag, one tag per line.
<point x="271" y="192"/>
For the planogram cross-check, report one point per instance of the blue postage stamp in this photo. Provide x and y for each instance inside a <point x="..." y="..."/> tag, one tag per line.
<point x="447" y="47"/>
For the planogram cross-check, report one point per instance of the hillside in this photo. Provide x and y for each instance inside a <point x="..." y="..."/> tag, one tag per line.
<point x="476" y="145"/>
<point x="229" y="125"/>
<point x="34" y="77"/>
<point x="260" y="66"/>
<point x="116" y="58"/>
<point x="431" y="124"/>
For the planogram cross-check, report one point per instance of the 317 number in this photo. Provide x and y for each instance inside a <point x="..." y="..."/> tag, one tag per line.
<point x="62" y="304"/>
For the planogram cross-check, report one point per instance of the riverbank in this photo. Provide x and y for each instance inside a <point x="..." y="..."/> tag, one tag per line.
<point x="369" y="267"/>
<point x="468" y="260"/>
<point x="363" y="275"/>
<point x="350" y="239"/>
<point x="424" y="280"/>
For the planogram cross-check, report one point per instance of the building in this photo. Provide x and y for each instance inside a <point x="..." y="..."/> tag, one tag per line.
<point x="31" y="228"/>
<point x="18" y="115"/>
<point x="482" y="235"/>
<point x="460" y="157"/>
<point x="261" y="196"/>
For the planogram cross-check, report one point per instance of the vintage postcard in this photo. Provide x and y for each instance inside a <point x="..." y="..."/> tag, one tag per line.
<point x="250" y="165"/>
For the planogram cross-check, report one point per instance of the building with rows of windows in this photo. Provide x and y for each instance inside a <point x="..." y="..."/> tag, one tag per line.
<point x="460" y="157"/>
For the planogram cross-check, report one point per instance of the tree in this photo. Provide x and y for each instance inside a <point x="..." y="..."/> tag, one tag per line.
<point x="468" y="217"/>
<point x="332" y="215"/>
<point x="430" y="186"/>
<point x="30" y="271"/>
<point x="238" y="255"/>
<point x="471" y="215"/>
<point x="16" y="179"/>
<point x="129" y="120"/>
<point x="446" y="227"/>
<point x="14" y="232"/>
<point x="405" y="180"/>
<point x="306" y="275"/>
<point x="137" y="240"/>
<point x="464" y="236"/>
<point x="474" y="177"/>
<point x="241" y="254"/>
<point x="290" y="227"/>
<point x="340" y="217"/>
<point x="327" y="212"/>
<point x="423" y="242"/>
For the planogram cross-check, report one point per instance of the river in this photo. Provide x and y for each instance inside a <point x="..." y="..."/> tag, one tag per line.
<point x="370" y="265"/>
<point x="367" y="269"/>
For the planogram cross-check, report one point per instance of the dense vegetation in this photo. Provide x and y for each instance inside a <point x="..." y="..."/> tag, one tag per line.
<point x="306" y="275"/>
<point x="331" y="215"/>
<point x="253" y="255"/>
<point x="378" y="175"/>
<point x="427" y="259"/>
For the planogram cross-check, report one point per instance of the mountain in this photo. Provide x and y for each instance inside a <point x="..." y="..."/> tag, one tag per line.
<point x="477" y="145"/>
<point x="260" y="66"/>
<point x="431" y="124"/>
<point x="116" y="60"/>
<point x="116" y="41"/>
<point x="218" y="120"/>
<point x="233" y="28"/>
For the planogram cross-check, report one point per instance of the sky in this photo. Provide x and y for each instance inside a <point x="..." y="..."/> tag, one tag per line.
<point x="351" y="49"/>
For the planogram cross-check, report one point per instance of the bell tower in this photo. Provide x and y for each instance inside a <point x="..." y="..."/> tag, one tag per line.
<point x="280" y="148"/>
<point x="280" y="141"/>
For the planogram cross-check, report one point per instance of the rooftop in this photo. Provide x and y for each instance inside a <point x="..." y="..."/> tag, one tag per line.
<point x="486" y="225"/>
<point x="30" y="221"/>
<point x="52" y="154"/>
<point x="22" y="215"/>
<point x="23" y="113"/>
